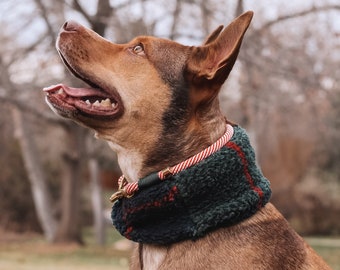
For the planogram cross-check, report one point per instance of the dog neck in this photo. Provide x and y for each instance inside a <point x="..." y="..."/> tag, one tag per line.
<point x="138" y="160"/>
<point x="184" y="137"/>
<point x="221" y="190"/>
<point x="128" y="189"/>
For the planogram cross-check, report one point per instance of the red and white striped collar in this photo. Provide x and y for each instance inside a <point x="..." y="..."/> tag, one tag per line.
<point x="127" y="189"/>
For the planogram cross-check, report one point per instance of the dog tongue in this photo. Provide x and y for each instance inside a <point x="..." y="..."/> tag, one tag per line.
<point x="75" y="92"/>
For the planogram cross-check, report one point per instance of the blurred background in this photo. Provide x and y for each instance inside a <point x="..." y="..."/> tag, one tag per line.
<point x="56" y="178"/>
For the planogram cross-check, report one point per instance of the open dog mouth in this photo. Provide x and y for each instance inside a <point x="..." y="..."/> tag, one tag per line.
<point x="92" y="101"/>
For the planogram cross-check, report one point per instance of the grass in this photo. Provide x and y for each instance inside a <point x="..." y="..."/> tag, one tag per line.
<point x="28" y="252"/>
<point x="74" y="259"/>
<point x="327" y="248"/>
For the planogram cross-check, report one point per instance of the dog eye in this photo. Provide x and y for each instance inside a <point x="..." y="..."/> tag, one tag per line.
<point x="138" y="49"/>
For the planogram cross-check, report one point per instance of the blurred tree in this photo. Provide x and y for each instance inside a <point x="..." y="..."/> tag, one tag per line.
<point x="280" y="88"/>
<point x="286" y="87"/>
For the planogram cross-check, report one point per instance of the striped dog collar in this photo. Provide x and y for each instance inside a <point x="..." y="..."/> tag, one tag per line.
<point x="127" y="190"/>
<point x="221" y="190"/>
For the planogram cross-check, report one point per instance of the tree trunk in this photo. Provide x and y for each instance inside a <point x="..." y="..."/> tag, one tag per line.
<point x="70" y="228"/>
<point x="36" y="176"/>
<point x="239" y="8"/>
<point x="97" y="203"/>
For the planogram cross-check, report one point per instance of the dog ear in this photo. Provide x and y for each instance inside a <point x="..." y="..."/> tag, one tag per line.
<point x="214" y="60"/>
<point x="213" y="35"/>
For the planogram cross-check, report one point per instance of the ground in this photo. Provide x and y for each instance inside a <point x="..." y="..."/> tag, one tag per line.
<point x="30" y="251"/>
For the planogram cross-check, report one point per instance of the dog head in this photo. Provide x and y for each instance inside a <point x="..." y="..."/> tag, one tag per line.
<point x="150" y="96"/>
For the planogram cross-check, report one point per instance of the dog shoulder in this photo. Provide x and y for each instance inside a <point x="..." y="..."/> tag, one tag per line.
<point x="264" y="241"/>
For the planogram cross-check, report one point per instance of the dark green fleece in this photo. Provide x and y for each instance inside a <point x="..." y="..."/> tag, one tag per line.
<point x="222" y="190"/>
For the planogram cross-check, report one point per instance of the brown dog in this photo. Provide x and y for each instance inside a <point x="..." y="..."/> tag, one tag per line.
<point x="155" y="102"/>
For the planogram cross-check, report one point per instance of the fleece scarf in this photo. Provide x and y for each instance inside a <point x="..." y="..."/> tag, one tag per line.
<point x="222" y="190"/>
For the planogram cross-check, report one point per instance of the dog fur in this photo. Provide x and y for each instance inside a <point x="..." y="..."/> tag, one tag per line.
<point x="164" y="109"/>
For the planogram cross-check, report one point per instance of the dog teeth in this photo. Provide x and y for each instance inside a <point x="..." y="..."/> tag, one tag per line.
<point x="106" y="103"/>
<point x="60" y="91"/>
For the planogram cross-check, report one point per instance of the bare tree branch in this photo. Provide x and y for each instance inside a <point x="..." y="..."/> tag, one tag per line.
<point x="176" y="14"/>
<point x="101" y="19"/>
<point x="296" y="15"/>
<point x="45" y="16"/>
<point x="47" y="117"/>
<point x="206" y="14"/>
<point x="26" y="50"/>
<point x="7" y="84"/>
<point x="239" y="8"/>
<point x="77" y="6"/>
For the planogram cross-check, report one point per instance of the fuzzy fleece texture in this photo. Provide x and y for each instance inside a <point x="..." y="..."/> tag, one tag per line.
<point x="222" y="190"/>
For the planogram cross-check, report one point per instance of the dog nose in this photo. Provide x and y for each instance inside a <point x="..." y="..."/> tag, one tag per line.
<point x="71" y="26"/>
